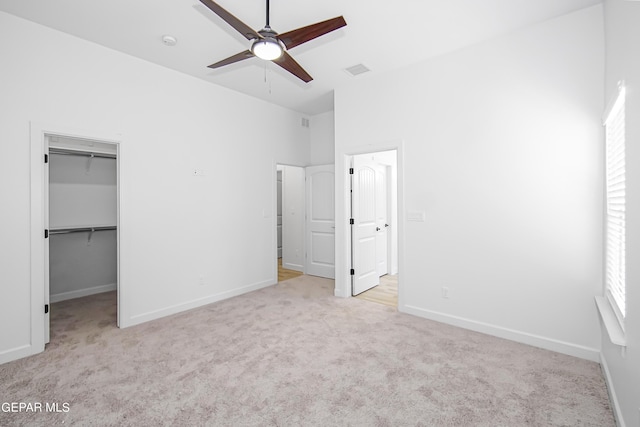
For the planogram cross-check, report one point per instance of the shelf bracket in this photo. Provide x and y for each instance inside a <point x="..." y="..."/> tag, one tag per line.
<point x="90" y="236"/>
<point x="89" y="160"/>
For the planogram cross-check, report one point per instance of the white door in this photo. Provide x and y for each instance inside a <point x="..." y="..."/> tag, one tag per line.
<point x="381" y="220"/>
<point x="363" y="202"/>
<point x="320" y="224"/>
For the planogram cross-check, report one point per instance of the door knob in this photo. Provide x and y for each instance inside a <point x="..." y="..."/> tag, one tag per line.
<point x="386" y="225"/>
<point x="377" y="228"/>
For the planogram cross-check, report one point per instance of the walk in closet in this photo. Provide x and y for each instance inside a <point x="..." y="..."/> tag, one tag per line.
<point x="82" y="220"/>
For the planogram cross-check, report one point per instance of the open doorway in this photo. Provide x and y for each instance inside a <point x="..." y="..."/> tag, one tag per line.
<point x="290" y="221"/>
<point x="374" y="230"/>
<point x="305" y="221"/>
<point x="40" y="222"/>
<point x="81" y="229"/>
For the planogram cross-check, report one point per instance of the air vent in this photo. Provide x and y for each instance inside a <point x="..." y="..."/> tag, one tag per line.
<point x="357" y="69"/>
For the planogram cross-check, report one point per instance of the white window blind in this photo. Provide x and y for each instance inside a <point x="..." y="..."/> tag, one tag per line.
<point x="615" y="195"/>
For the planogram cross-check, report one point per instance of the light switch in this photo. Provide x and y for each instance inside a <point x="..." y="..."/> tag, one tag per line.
<point x="416" y="216"/>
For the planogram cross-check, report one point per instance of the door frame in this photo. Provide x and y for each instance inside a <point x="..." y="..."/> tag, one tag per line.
<point x="40" y="218"/>
<point x="343" y="212"/>
<point x="279" y="189"/>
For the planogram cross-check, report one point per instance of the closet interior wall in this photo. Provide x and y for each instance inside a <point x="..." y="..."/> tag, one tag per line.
<point x="82" y="195"/>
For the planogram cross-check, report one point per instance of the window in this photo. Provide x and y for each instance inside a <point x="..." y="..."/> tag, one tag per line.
<point x="615" y="200"/>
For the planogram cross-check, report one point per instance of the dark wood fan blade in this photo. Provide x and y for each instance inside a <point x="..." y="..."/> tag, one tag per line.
<point x="240" y="26"/>
<point x="235" y="58"/>
<point x="289" y="64"/>
<point x="295" y="38"/>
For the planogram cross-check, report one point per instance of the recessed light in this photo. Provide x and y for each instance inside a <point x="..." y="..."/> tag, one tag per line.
<point x="169" y="40"/>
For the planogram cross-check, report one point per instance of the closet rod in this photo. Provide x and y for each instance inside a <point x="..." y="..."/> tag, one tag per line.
<point x="80" y="229"/>
<point x="80" y="153"/>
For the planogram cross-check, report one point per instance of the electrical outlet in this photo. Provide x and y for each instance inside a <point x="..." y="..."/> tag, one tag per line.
<point x="201" y="280"/>
<point x="445" y="292"/>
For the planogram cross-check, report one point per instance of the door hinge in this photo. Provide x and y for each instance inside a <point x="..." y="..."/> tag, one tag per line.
<point x="353" y="272"/>
<point x="46" y="158"/>
<point x="352" y="221"/>
<point x="350" y="171"/>
<point x="46" y="234"/>
<point x="46" y="308"/>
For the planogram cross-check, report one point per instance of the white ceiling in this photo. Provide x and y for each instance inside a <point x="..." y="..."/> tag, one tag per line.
<point x="383" y="35"/>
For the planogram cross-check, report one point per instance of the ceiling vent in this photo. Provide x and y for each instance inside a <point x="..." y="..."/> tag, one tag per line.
<point x="357" y="69"/>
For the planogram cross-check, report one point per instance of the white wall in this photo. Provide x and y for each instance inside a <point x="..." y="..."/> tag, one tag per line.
<point x="622" y="34"/>
<point x="175" y="227"/>
<point x="500" y="147"/>
<point x="81" y="267"/>
<point x="322" y="135"/>
<point x="79" y="196"/>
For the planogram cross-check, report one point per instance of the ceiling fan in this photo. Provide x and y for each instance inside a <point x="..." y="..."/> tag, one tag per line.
<point x="271" y="46"/>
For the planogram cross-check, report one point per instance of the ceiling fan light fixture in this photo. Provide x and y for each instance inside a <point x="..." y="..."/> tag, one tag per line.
<point x="267" y="48"/>
<point x="266" y="44"/>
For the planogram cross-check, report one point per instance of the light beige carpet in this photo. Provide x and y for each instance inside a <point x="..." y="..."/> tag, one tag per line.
<point x="294" y="355"/>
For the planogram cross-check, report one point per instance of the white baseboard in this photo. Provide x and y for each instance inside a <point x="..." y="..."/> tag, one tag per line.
<point x="617" y="412"/>
<point x="506" y="333"/>
<point x="82" y="292"/>
<point x="12" y="354"/>
<point x="342" y="293"/>
<point x="178" y="308"/>
<point x="295" y="267"/>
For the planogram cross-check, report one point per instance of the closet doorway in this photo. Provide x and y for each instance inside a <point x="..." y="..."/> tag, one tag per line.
<point x="81" y="221"/>
<point x="290" y="221"/>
